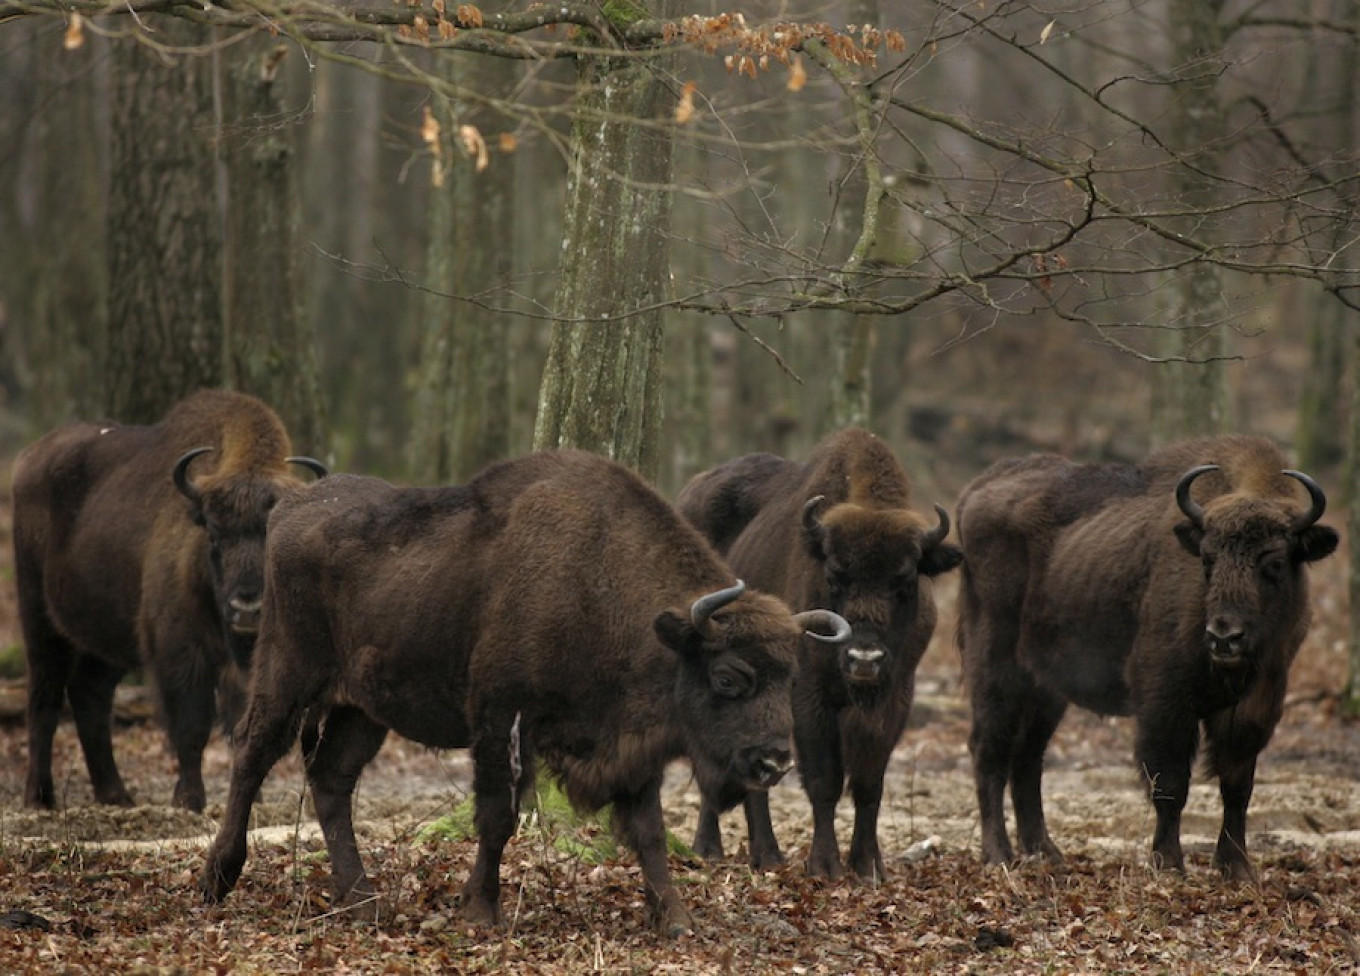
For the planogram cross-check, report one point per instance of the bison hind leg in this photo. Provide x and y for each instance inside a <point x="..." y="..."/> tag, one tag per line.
<point x="708" y="842"/>
<point x="1045" y="712"/>
<point x="91" y="689"/>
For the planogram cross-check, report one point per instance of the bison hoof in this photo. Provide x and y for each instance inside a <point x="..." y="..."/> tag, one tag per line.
<point x="828" y="868"/>
<point x="673" y="921"/>
<point x="767" y="861"/>
<point x="478" y="911"/>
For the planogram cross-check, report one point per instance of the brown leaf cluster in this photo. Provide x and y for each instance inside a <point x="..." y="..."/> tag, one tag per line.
<point x="755" y="47"/>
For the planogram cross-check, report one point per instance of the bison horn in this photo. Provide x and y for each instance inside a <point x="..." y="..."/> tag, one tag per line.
<point x="828" y="619"/>
<point x="706" y="605"/>
<point x="181" y="474"/>
<point x="810" y="510"/>
<point x="936" y="535"/>
<point x="1318" y="498"/>
<point x="1187" y="505"/>
<point x="311" y="464"/>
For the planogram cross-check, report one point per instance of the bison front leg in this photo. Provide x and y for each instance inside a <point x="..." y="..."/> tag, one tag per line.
<point x="1165" y="753"/>
<point x="764" y="846"/>
<point x="267" y="731"/>
<point x="346" y="740"/>
<point x="1233" y="756"/>
<point x="496" y="785"/>
<point x="642" y="827"/>
<point x="823" y="773"/>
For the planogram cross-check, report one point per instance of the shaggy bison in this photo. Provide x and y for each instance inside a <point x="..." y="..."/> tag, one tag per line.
<point x="554" y="608"/>
<point x="1174" y="591"/>
<point x="837" y="531"/>
<point x="129" y="549"/>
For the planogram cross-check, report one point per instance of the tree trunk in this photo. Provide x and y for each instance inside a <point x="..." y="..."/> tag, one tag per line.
<point x="601" y="387"/>
<point x="1191" y="393"/>
<point x="54" y="260"/>
<point x="165" y="313"/>
<point x="269" y="345"/>
<point x="463" y="397"/>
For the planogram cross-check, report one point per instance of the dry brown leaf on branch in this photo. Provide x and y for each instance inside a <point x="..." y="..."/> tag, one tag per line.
<point x="469" y="16"/>
<point x="474" y="145"/>
<point x="75" y="33"/>
<point x="508" y="142"/>
<point x="797" y="75"/>
<point x="684" y="109"/>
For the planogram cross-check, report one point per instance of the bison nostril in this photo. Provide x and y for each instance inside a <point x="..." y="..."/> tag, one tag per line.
<point x="247" y="603"/>
<point x="866" y="655"/>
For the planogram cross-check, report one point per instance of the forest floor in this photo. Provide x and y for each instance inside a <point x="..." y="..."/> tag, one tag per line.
<point x="113" y="890"/>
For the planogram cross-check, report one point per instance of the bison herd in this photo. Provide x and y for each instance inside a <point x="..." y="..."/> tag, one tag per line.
<point x="557" y="612"/>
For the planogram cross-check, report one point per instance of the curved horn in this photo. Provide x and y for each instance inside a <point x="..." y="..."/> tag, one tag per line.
<point x="311" y="464"/>
<point x="838" y="625"/>
<point x="705" y="606"/>
<point x="810" y="510"/>
<point x="936" y="535"/>
<point x="1315" y="493"/>
<point x="1187" y="505"/>
<point x="181" y="474"/>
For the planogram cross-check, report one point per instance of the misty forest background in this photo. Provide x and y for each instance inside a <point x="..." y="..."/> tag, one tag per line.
<point x="432" y="236"/>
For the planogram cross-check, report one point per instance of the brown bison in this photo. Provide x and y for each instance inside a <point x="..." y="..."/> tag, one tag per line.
<point x="125" y="558"/>
<point x="1173" y="591"/>
<point x="553" y="608"/>
<point x="836" y="532"/>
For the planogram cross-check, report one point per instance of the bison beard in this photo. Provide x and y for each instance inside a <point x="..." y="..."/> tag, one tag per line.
<point x="553" y="608"/>
<point x="123" y="559"/>
<point x="837" y="532"/>
<point x="1113" y="587"/>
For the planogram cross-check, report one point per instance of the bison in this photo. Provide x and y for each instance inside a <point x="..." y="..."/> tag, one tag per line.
<point x="837" y="531"/>
<point x="129" y="550"/>
<point x="1173" y="591"/>
<point x="555" y="608"/>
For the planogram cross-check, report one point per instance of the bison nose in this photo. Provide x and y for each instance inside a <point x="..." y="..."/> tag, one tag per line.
<point x="766" y="766"/>
<point x="1227" y="640"/>
<point x="245" y="612"/>
<point x="863" y="664"/>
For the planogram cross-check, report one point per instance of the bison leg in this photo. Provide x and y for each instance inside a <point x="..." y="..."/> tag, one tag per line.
<point x="190" y="708"/>
<point x="1165" y="752"/>
<point x="764" y="846"/>
<point x="642" y="827"/>
<point x="1233" y="752"/>
<point x="998" y="700"/>
<point x="266" y="733"/>
<point x="708" y="835"/>
<point x="347" y="741"/>
<point x="823" y="773"/>
<point x="496" y="790"/>
<point x="91" y="692"/>
<point x="1026" y="778"/>
<point x="50" y="657"/>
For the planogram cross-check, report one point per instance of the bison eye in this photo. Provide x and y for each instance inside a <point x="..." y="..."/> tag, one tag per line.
<point x="729" y="681"/>
<point x="1274" y="568"/>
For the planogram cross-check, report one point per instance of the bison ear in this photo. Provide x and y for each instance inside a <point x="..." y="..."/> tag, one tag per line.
<point x="1316" y="542"/>
<point x="940" y="559"/>
<point x="1190" y="536"/>
<point x="677" y="632"/>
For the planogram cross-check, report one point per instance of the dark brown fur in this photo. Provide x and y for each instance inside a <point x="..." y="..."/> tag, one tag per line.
<point x="1088" y="584"/>
<point x="545" y="603"/>
<point x="115" y="569"/>
<point x="870" y="559"/>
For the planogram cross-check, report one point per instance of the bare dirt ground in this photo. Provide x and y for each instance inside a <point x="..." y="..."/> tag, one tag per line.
<point x="113" y="890"/>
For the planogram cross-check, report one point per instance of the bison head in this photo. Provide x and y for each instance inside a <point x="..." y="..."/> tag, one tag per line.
<point x="734" y="685"/>
<point x="1252" y="549"/>
<point x="871" y="561"/>
<point x="232" y="507"/>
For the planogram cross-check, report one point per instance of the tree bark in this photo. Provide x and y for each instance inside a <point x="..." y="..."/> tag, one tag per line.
<point x="601" y="387"/>
<point x="269" y="346"/>
<point x="1191" y="392"/>
<point x="165" y="279"/>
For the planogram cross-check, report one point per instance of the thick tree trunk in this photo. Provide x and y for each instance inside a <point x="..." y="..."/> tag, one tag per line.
<point x="53" y="262"/>
<point x="601" y="387"/>
<point x="269" y="344"/>
<point x="165" y="312"/>
<point x="462" y="419"/>
<point x="1191" y="390"/>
